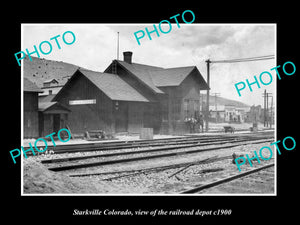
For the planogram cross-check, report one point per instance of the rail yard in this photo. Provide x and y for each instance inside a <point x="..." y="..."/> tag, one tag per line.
<point x="191" y="164"/>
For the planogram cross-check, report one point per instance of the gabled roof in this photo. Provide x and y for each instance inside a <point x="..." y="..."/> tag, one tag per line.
<point x="142" y="73"/>
<point x="111" y="85"/>
<point x="50" y="80"/>
<point x="30" y="87"/>
<point x="46" y="98"/>
<point x="171" y="76"/>
<point x="155" y="77"/>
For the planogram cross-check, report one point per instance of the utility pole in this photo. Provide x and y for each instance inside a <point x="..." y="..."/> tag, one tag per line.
<point x="269" y="115"/>
<point x="265" y="95"/>
<point x="266" y="107"/>
<point x="207" y="97"/>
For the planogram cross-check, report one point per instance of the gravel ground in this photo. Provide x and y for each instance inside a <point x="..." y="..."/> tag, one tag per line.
<point x="37" y="179"/>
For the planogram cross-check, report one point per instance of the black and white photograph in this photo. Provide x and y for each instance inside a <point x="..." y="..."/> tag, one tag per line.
<point x="132" y="114"/>
<point x="131" y="109"/>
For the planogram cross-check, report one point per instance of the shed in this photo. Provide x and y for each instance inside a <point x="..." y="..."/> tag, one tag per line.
<point x="52" y="117"/>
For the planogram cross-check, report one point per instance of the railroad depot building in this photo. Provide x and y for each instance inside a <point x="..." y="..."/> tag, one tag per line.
<point x="128" y="96"/>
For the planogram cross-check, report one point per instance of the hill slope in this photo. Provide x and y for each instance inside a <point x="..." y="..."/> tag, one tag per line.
<point x="224" y="101"/>
<point x="39" y="70"/>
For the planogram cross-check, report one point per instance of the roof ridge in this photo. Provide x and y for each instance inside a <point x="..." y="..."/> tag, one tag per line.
<point x="180" y="67"/>
<point x="108" y="83"/>
<point x="140" y="64"/>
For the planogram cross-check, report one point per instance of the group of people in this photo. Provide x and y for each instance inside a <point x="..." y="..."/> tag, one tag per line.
<point x="195" y="123"/>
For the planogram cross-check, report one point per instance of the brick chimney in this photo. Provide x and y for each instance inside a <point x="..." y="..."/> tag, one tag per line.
<point x="127" y="57"/>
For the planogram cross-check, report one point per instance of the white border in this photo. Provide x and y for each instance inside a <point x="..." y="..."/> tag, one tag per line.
<point x="182" y="195"/>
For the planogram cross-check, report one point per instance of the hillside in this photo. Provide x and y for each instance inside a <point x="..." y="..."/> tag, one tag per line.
<point x="39" y="70"/>
<point x="224" y="101"/>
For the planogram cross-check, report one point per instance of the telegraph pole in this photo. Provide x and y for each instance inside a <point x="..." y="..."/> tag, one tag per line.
<point x="265" y="95"/>
<point x="266" y="107"/>
<point x="207" y="97"/>
<point x="271" y="113"/>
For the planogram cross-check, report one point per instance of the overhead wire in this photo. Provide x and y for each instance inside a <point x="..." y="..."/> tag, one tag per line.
<point x="257" y="58"/>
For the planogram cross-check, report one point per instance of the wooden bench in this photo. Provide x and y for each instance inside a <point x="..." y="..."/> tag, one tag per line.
<point x="96" y="133"/>
<point x="229" y="129"/>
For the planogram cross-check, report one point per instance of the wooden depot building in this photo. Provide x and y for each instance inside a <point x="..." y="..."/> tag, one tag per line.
<point x="129" y="96"/>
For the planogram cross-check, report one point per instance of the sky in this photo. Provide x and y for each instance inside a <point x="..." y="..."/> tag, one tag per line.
<point x="190" y="45"/>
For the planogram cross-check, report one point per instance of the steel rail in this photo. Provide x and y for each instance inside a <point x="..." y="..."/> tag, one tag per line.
<point x="225" y="180"/>
<point x="110" y="162"/>
<point x="116" y="145"/>
<point x="157" y="168"/>
<point x="102" y="146"/>
<point x="185" y="145"/>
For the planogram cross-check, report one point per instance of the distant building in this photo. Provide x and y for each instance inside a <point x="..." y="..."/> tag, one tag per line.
<point x="217" y="113"/>
<point x="50" y="83"/>
<point x="255" y="114"/>
<point x="227" y="113"/>
<point x="235" y="114"/>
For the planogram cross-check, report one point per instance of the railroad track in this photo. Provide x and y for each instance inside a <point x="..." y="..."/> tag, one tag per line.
<point x="120" y="174"/>
<point x="191" y="139"/>
<point x="251" y="181"/>
<point x="239" y="175"/>
<point x="172" y="151"/>
<point x="166" y="146"/>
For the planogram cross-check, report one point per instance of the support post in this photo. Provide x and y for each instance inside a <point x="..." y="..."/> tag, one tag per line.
<point x="207" y="97"/>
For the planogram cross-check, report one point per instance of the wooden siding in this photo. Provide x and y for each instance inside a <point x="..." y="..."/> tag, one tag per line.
<point x="164" y="116"/>
<point x="120" y="115"/>
<point x="30" y="116"/>
<point x="89" y="116"/>
<point x="174" y="114"/>
<point x="135" y="117"/>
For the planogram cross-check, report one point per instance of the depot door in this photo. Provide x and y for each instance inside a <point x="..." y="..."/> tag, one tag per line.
<point x="121" y="117"/>
<point x="56" y="122"/>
